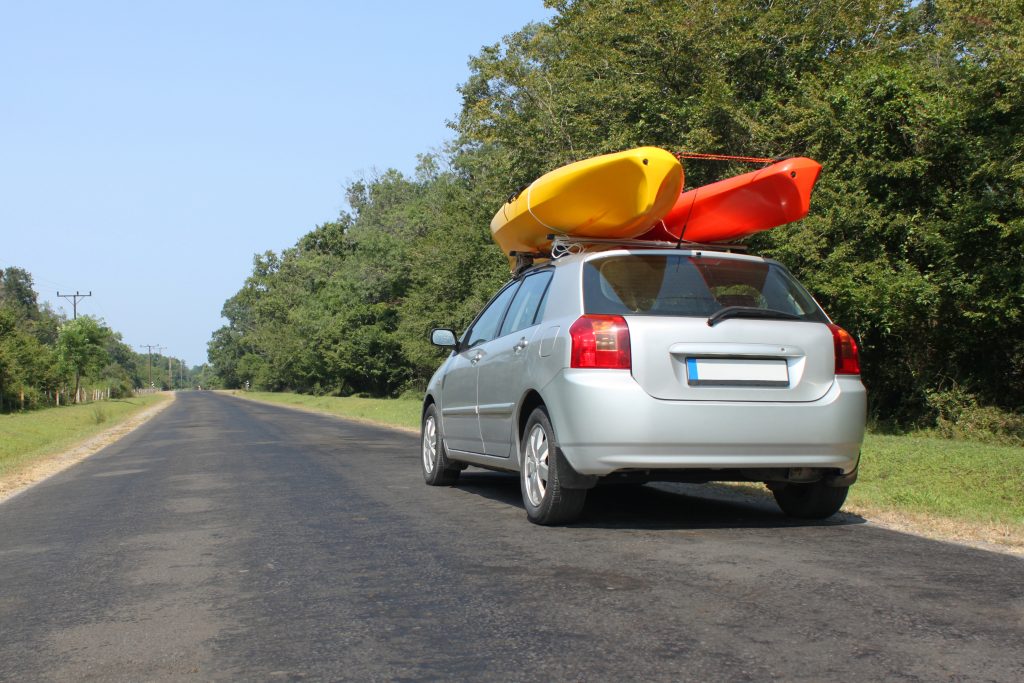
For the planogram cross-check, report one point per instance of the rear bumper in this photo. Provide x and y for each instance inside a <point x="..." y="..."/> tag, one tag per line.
<point x="605" y="422"/>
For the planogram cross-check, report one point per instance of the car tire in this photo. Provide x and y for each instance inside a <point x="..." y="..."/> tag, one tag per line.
<point x="810" y="501"/>
<point x="547" y="502"/>
<point x="438" y="470"/>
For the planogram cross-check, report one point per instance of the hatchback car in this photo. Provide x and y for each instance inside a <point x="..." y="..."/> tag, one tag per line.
<point x="649" y="364"/>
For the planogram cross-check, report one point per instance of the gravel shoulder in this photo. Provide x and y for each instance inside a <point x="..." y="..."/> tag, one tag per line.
<point x="46" y="466"/>
<point x="998" y="538"/>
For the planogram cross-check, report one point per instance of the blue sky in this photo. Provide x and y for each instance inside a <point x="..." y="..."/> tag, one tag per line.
<point x="148" y="150"/>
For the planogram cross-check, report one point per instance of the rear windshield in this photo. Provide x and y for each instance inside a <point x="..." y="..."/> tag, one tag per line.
<point x="677" y="284"/>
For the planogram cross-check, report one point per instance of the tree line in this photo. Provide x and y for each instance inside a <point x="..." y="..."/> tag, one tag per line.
<point x="48" y="360"/>
<point x="914" y="241"/>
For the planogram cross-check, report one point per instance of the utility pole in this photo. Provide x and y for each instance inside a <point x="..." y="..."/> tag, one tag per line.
<point x="150" y="347"/>
<point x="73" y="298"/>
<point x="169" y="385"/>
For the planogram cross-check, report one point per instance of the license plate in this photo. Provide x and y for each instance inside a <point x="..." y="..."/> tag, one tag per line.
<point x="737" y="372"/>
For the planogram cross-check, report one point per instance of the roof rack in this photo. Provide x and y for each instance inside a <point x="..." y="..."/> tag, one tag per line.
<point x="525" y="261"/>
<point x="563" y="245"/>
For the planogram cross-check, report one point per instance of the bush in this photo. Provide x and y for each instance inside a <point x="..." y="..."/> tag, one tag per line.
<point x="958" y="415"/>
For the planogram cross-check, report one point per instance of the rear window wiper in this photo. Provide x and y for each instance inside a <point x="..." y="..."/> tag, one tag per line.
<point x="749" y="312"/>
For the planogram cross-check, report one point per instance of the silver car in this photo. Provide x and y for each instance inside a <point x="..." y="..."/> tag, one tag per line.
<point x="649" y="364"/>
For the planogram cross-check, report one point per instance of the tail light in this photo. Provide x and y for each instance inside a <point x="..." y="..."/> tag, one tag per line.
<point x="847" y="357"/>
<point x="600" y="341"/>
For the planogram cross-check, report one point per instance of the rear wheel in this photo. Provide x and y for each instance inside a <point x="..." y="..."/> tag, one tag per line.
<point x="546" y="501"/>
<point x="437" y="469"/>
<point x="810" y="501"/>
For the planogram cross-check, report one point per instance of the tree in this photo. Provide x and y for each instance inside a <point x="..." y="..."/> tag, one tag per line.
<point x="82" y="347"/>
<point x="16" y="292"/>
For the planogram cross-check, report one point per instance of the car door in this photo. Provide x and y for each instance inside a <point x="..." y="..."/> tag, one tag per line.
<point x="502" y="373"/>
<point x="460" y="422"/>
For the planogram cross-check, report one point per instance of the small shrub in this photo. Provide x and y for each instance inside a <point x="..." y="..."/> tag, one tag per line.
<point x="412" y="393"/>
<point x="99" y="414"/>
<point x="122" y="389"/>
<point x="959" y="416"/>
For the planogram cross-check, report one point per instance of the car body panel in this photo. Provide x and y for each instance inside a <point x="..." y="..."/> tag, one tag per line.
<point x="459" y="405"/>
<point x="503" y="375"/>
<point x="668" y="342"/>
<point x="607" y="422"/>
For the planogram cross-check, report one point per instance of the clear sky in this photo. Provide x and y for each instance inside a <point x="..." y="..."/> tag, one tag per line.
<point x="148" y="150"/>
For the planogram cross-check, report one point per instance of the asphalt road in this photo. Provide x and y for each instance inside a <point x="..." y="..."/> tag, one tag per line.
<point x="230" y="540"/>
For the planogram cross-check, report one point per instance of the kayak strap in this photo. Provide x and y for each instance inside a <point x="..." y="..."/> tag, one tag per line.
<point x="722" y="157"/>
<point x="529" y="207"/>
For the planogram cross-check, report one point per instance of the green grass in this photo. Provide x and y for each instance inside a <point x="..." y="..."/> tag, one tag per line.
<point x="958" y="479"/>
<point x="394" y="412"/>
<point x="964" y="480"/>
<point x="25" y="437"/>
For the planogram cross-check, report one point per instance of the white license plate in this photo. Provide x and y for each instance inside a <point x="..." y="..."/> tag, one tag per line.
<point x="737" y="372"/>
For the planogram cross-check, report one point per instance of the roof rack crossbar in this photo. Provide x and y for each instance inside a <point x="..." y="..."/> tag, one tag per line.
<point x="568" y="241"/>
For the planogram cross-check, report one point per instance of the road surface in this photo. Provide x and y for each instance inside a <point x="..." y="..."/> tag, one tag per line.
<point x="231" y="540"/>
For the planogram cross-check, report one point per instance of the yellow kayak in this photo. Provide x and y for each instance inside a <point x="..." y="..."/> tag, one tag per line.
<point x="615" y="196"/>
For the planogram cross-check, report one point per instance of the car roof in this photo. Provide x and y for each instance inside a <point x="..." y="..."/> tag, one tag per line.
<point x="601" y="252"/>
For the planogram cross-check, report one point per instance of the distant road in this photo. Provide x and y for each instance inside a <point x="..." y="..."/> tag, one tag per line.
<point x="228" y="539"/>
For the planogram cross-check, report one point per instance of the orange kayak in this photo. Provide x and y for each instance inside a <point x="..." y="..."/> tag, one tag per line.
<point x="742" y="205"/>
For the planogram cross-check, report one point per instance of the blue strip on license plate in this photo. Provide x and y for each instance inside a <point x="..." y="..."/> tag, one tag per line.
<point x="738" y="372"/>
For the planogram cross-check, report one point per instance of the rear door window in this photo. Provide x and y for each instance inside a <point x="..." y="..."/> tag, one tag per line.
<point x="526" y="305"/>
<point x="682" y="285"/>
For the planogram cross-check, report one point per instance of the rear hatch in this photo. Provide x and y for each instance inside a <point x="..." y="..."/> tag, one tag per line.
<point x="714" y="327"/>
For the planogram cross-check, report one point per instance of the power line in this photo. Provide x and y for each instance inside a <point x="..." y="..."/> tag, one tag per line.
<point x="73" y="298"/>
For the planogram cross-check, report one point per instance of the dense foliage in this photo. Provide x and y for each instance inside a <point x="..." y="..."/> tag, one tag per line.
<point x="914" y="241"/>
<point x="43" y="355"/>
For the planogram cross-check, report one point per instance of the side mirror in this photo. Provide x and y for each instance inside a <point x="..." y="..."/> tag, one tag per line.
<point x="444" y="338"/>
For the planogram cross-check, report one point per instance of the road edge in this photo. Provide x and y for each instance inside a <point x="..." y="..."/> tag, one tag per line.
<point x="49" y="465"/>
<point x="964" y="533"/>
<point x="317" y="411"/>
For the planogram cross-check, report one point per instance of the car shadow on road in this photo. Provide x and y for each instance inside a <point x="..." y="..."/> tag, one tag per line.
<point x="660" y="505"/>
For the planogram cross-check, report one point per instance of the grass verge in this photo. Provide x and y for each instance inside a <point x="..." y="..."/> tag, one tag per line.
<point x="966" y="480"/>
<point x="27" y="437"/>
<point x="392" y="412"/>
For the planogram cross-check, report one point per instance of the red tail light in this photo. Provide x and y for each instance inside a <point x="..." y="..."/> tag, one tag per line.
<point x="600" y="341"/>
<point x="847" y="357"/>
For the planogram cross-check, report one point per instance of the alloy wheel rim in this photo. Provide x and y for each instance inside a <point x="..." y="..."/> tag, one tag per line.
<point x="535" y="467"/>
<point x="429" y="445"/>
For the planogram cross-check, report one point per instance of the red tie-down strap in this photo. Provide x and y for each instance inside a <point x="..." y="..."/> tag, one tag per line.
<point x="722" y="157"/>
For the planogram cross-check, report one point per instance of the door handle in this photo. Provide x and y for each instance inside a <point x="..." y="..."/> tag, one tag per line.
<point x="477" y="357"/>
<point x="521" y="345"/>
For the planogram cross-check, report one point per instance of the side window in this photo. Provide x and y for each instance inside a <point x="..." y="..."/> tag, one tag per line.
<point x="539" y="315"/>
<point x="486" y="326"/>
<point x="524" y="307"/>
